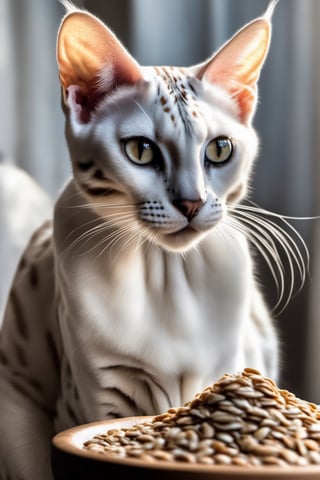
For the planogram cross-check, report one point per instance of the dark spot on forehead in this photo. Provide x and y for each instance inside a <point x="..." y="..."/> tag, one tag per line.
<point x="176" y="89"/>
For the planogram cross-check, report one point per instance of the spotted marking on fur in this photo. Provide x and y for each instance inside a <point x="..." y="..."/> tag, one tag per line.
<point x="76" y="392"/>
<point x="97" y="191"/>
<point x="33" y="276"/>
<point x="22" y="264"/>
<point x="46" y="244"/>
<point x="21" y="323"/>
<point x="85" y="166"/>
<point x="4" y="359"/>
<point x="21" y="355"/>
<point x="176" y="85"/>
<point x="72" y="414"/>
<point x="39" y="233"/>
<point x="53" y="349"/>
<point x="68" y="376"/>
<point x="21" y="388"/>
<point x="36" y="385"/>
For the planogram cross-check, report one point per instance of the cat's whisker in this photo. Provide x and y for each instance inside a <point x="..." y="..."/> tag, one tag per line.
<point x="253" y="228"/>
<point x="134" y="238"/>
<point x="90" y="233"/>
<point x="151" y="236"/>
<point x="124" y="226"/>
<point x="284" y="219"/>
<point x="263" y="243"/>
<point x="291" y="245"/>
<point x="258" y="240"/>
<point x="107" y="206"/>
<point x="268" y="254"/>
<point x="82" y="226"/>
<point x="226" y="230"/>
<point x="255" y="208"/>
<point x="86" y="235"/>
<point x="142" y="110"/>
<point x="281" y="234"/>
<point x="264" y="247"/>
<point x="109" y="216"/>
<point x="111" y="240"/>
<point x="264" y="234"/>
<point x="116" y="227"/>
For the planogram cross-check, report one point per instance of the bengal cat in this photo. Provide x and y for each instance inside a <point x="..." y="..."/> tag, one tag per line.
<point x="142" y="291"/>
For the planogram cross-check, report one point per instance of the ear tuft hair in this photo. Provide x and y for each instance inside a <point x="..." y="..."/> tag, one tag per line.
<point x="270" y="9"/>
<point x="69" y="6"/>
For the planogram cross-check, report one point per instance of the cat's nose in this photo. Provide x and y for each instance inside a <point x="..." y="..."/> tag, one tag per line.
<point x="189" y="208"/>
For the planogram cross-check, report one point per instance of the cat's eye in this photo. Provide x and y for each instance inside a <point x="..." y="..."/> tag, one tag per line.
<point x="140" y="150"/>
<point x="219" y="150"/>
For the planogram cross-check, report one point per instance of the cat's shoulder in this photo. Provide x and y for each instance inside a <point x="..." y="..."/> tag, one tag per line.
<point x="38" y="251"/>
<point x="40" y="241"/>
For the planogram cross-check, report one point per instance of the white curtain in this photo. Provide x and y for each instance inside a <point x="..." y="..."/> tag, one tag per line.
<point x="185" y="32"/>
<point x="31" y="122"/>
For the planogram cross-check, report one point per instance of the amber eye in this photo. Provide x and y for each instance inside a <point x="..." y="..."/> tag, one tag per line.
<point x="219" y="150"/>
<point x="140" y="150"/>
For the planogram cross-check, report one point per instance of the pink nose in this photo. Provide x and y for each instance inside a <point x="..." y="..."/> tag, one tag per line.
<point x="189" y="208"/>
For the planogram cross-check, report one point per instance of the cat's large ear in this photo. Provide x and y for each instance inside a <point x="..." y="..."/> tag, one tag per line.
<point x="91" y="62"/>
<point x="237" y="65"/>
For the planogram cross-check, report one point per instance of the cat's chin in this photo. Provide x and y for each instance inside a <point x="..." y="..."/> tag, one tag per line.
<point x="182" y="240"/>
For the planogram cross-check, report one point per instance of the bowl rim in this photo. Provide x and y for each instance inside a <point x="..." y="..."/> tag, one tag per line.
<point x="71" y="441"/>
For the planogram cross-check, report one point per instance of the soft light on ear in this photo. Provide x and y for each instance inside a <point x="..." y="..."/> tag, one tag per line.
<point x="237" y="66"/>
<point x="92" y="59"/>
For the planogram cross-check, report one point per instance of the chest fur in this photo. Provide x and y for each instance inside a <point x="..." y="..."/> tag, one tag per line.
<point x="165" y="309"/>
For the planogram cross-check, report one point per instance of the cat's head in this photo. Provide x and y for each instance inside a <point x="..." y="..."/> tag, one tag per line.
<point x="163" y="150"/>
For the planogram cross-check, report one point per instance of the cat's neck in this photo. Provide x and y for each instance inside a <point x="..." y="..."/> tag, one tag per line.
<point x="116" y="291"/>
<point x="82" y="238"/>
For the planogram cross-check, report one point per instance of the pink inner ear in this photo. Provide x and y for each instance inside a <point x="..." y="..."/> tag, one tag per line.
<point x="92" y="62"/>
<point x="237" y="66"/>
<point x="83" y="99"/>
<point x="81" y="103"/>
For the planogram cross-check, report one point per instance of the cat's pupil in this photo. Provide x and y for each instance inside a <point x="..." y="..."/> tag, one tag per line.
<point x="219" y="150"/>
<point x="139" y="150"/>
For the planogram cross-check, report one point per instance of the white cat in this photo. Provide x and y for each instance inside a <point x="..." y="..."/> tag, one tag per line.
<point x="144" y="292"/>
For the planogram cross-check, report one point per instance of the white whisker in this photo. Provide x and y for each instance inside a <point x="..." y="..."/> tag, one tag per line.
<point x="117" y="231"/>
<point x="106" y="224"/>
<point x="268" y="253"/>
<point x="303" y="265"/>
<point x="267" y="236"/>
<point x="287" y="242"/>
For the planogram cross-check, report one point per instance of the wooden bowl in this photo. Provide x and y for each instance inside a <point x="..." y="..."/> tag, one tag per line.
<point x="70" y="461"/>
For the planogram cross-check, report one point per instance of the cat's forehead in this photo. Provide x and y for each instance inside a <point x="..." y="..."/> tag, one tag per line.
<point x="176" y="96"/>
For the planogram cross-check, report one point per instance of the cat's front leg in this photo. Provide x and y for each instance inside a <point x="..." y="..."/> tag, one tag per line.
<point x="25" y="434"/>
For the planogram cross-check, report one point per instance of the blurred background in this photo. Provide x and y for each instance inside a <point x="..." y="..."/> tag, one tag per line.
<point x="185" y="32"/>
